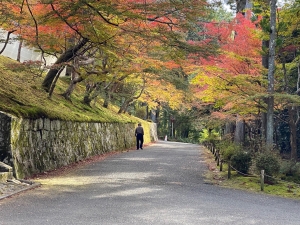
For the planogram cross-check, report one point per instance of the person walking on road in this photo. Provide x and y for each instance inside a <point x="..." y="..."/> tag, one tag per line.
<point x="139" y="133"/>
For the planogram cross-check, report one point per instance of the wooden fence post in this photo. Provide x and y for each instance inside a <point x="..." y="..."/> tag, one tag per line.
<point x="262" y="180"/>
<point x="229" y="170"/>
<point x="221" y="165"/>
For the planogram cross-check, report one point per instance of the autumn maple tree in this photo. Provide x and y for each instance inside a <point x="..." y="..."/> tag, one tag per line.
<point x="132" y="35"/>
<point x="232" y="81"/>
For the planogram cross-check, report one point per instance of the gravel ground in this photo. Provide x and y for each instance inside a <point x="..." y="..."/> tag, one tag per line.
<point x="162" y="185"/>
<point x="14" y="186"/>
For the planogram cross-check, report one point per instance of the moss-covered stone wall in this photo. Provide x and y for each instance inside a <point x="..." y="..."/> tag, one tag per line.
<point x="43" y="144"/>
<point x="5" y="127"/>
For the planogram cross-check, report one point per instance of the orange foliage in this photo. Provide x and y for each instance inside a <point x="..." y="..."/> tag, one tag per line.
<point x="231" y="79"/>
<point x="240" y="48"/>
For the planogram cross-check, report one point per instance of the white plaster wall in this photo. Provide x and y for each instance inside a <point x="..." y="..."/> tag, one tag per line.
<point x="27" y="53"/>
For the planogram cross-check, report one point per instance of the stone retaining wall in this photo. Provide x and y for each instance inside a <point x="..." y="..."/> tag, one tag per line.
<point x="42" y="145"/>
<point x="5" y="127"/>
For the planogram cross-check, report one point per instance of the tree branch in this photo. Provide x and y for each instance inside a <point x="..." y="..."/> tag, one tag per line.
<point x="105" y="19"/>
<point x="6" y="41"/>
<point x="36" y="29"/>
<point x="64" y="20"/>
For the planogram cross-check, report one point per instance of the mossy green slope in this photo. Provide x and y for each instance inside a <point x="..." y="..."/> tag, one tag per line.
<point x="21" y="95"/>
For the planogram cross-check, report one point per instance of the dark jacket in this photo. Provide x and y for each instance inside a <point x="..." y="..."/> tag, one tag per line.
<point x="139" y="130"/>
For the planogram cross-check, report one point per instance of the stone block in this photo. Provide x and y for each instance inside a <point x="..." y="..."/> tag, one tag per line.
<point x="47" y="124"/>
<point x="5" y="168"/>
<point x="4" y="176"/>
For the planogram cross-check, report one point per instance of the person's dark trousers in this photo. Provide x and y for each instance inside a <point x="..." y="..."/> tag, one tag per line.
<point x="139" y="141"/>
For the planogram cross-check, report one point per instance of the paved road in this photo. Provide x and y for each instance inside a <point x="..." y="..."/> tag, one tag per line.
<point x="161" y="184"/>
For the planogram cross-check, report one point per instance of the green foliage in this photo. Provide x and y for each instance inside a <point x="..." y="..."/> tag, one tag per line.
<point x="206" y="136"/>
<point x="140" y="112"/>
<point x="228" y="149"/>
<point x="290" y="168"/>
<point x="269" y="162"/>
<point x="186" y="140"/>
<point x="265" y="25"/>
<point x="241" y="161"/>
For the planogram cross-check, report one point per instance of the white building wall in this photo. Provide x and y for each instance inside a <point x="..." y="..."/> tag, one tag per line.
<point x="27" y="53"/>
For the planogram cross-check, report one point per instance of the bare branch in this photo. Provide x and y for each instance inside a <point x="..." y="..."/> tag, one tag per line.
<point x="64" y="20"/>
<point x="6" y="41"/>
<point x="105" y="19"/>
<point x="36" y="29"/>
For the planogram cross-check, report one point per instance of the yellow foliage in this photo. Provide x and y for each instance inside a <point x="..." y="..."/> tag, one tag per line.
<point x="232" y="94"/>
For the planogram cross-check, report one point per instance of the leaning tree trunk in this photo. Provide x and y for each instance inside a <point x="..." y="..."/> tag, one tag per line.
<point x="65" y="57"/>
<point x="107" y="96"/>
<point x="70" y="89"/>
<point x="92" y="92"/>
<point x="125" y="105"/>
<point x="127" y="102"/>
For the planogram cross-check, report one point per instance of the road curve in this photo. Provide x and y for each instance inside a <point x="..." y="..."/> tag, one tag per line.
<point x="162" y="184"/>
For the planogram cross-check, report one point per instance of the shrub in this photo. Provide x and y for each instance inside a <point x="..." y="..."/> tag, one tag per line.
<point x="228" y="149"/>
<point x="290" y="171"/>
<point x="290" y="168"/>
<point x="241" y="161"/>
<point x="269" y="162"/>
<point x="210" y="137"/>
<point x="141" y="113"/>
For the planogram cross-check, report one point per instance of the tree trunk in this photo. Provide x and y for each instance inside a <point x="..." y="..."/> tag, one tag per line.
<point x="270" y="123"/>
<point x="125" y="105"/>
<point x="54" y="82"/>
<point x="106" y="97"/>
<point x="293" y="133"/>
<point x="157" y="115"/>
<point x="92" y="92"/>
<point x="263" y="128"/>
<point x="65" y="57"/>
<point x="19" y="50"/>
<point x="240" y="5"/>
<point x="239" y="134"/>
<point x="147" y="112"/>
<point x="106" y="101"/>
<point x="265" y="63"/>
<point x="68" y="92"/>
<point x="270" y="99"/>
<point x="87" y="100"/>
<point x="229" y="130"/>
